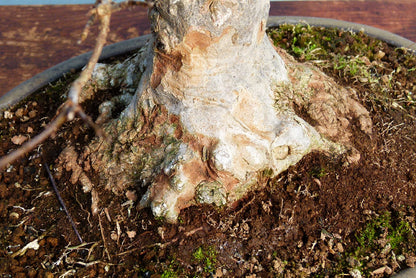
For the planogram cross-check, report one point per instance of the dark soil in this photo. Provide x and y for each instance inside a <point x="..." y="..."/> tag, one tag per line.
<point x="320" y="218"/>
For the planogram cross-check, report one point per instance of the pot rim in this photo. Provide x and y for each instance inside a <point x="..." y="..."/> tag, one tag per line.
<point x="42" y="79"/>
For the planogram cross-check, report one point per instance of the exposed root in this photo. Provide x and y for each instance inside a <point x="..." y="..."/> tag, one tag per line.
<point x="195" y="133"/>
<point x="70" y="161"/>
<point x="328" y="106"/>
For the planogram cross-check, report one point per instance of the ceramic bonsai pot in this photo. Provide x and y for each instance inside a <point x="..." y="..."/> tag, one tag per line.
<point x="40" y="80"/>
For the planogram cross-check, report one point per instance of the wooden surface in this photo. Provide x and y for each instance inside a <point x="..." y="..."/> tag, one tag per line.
<point x="34" y="38"/>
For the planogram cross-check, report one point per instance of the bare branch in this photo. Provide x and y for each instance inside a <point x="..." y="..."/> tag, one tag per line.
<point x="103" y="237"/>
<point x="115" y="7"/>
<point x="103" y="12"/>
<point x="86" y="31"/>
<point x="71" y="107"/>
<point x="98" y="130"/>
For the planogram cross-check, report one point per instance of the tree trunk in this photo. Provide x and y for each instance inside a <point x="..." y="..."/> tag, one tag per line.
<point x="203" y="122"/>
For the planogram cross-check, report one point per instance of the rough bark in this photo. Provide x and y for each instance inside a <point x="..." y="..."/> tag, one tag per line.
<point x="214" y="107"/>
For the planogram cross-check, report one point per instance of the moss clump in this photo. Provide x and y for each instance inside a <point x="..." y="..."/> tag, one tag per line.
<point x="381" y="231"/>
<point x="385" y="237"/>
<point x="206" y="257"/>
<point x="357" y="59"/>
<point x="313" y="43"/>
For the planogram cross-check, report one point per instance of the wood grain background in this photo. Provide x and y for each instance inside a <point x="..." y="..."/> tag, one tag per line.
<point x="34" y="38"/>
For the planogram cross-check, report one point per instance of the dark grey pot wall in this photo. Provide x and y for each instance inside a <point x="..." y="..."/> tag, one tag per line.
<point x="50" y="75"/>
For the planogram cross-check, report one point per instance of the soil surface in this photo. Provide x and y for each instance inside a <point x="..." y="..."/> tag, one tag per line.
<point x="320" y="218"/>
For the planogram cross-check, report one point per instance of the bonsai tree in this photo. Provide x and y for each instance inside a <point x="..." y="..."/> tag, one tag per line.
<point x="209" y="105"/>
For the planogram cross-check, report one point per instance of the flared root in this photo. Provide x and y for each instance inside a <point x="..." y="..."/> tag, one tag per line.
<point x="193" y="150"/>
<point x="215" y="106"/>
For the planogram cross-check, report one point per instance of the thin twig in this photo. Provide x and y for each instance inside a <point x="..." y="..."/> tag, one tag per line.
<point x="160" y="245"/>
<point x="90" y="22"/>
<point x="31" y="245"/>
<point x="86" y="31"/>
<point x="61" y="201"/>
<point x="244" y="206"/>
<point x="103" y="12"/>
<point x="115" y="7"/>
<point x="87" y="119"/>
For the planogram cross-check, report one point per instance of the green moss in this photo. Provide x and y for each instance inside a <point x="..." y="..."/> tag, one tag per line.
<point x="318" y="172"/>
<point x="206" y="257"/>
<point x="169" y="274"/>
<point x="299" y="40"/>
<point x="355" y="58"/>
<point x="172" y="270"/>
<point x="383" y="227"/>
<point x="267" y="173"/>
<point x="386" y="235"/>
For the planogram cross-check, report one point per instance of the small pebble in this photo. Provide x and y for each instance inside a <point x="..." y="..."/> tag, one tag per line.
<point x="33" y="114"/>
<point x="340" y="248"/>
<point x="114" y="235"/>
<point x="19" y="113"/>
<point x="131" y="195"/>
<point x="379" y="270"/>
<point x="131" y="234"/>
<point x="14" y="215"/>
<point x="18" y="139"/>
<point x="355" y="273"/>
<point x="401" y="258"/>
<point x="8" y="115"/>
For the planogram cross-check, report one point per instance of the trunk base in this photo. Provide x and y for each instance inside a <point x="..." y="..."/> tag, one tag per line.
<point x="196" y="149"/>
